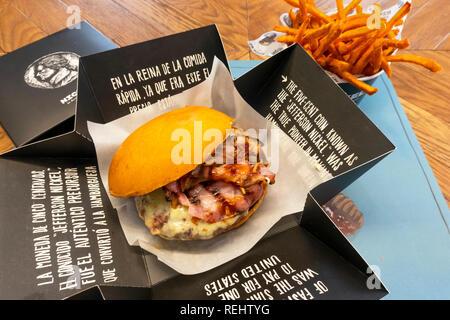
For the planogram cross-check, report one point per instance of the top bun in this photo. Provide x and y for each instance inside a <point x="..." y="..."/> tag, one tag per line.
<point x="143" y="163"/>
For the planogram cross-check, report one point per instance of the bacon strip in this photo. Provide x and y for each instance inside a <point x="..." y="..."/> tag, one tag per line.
<point x="216" y="191"/>
<point x="211" y="209"/>
<point x="229" y="193"/>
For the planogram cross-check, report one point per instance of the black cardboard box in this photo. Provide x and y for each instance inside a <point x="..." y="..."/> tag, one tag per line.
<point x="63" y="239"/>
<point x="38" y="91"/>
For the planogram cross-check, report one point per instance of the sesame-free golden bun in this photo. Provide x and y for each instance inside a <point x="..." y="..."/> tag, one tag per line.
<point x="143" y="162"/>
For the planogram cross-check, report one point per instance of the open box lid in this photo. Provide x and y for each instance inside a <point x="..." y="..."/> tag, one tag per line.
<point x="87" y="232"/>
<point x="39" y="83"/>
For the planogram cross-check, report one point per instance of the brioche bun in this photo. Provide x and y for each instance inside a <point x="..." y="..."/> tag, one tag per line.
<point x="143" y="162"/>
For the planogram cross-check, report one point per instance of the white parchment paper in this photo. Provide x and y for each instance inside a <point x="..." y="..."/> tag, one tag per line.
<point x="296" y="174"/>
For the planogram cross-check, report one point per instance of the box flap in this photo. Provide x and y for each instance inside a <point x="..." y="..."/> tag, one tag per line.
<point x="292" y="265"/>
<point x="131" y="78"/>
<point x="38" y="90"/>
<point x="291" y="89"/>
<point x="59" y="232"/>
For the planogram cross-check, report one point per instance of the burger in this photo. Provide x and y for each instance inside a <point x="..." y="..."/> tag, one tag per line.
<point x="191" y="200"/>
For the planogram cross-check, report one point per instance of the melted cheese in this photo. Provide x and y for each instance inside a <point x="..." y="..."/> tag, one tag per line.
<point x="154" y="208"/>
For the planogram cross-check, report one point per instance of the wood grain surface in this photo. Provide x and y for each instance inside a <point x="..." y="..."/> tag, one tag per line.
<point x="424" y="96"/>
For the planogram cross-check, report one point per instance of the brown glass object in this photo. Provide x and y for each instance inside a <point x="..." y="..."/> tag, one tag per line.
<point x="344" y="213"/>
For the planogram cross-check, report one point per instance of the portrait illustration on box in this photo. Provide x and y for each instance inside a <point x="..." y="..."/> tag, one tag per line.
<point x="52" y="71"/>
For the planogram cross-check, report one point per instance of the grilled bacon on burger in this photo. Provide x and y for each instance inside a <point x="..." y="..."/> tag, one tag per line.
<point x="191" y="201"/>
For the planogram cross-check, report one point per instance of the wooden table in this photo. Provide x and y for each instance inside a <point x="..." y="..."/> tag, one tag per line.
<point x="424" y="96"/>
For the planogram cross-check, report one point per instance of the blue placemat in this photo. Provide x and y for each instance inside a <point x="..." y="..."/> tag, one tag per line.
<point x="406" y="218"/>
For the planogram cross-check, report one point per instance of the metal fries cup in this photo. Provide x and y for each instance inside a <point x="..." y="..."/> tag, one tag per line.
<point x="354" y="93"/>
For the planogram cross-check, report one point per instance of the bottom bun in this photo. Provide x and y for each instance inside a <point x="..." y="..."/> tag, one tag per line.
<point x="176" y="223"/>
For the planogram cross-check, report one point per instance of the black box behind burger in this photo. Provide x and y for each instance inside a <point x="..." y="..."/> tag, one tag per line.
<point x="39" y="83"/>
<point x="63" y="239"/>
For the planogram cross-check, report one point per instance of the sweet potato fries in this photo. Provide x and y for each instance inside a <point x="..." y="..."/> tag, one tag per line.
<point x="349" y="45"/>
